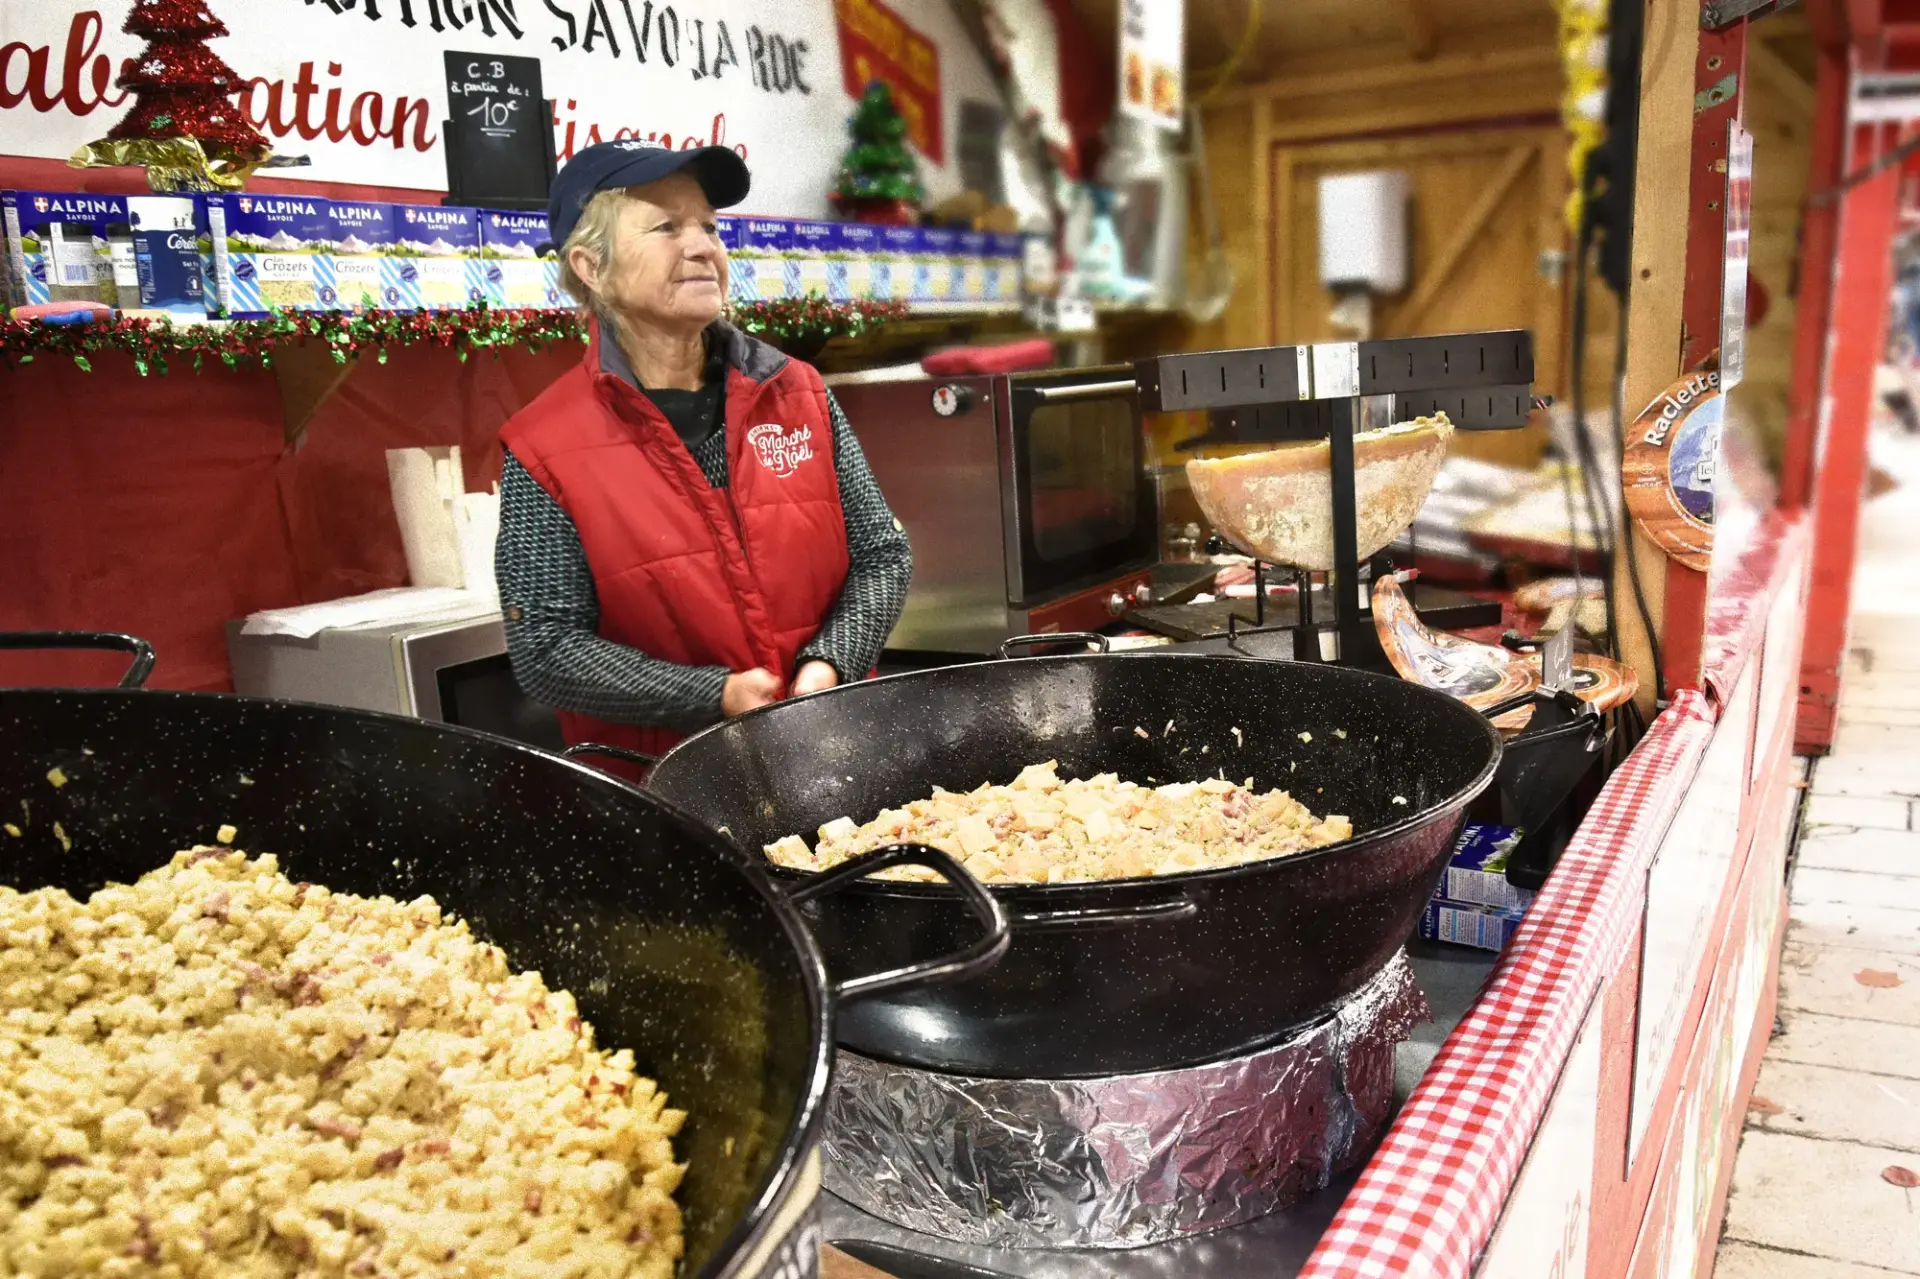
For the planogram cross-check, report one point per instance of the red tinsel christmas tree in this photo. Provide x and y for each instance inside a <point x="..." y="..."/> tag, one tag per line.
<point x="184" y="126"/>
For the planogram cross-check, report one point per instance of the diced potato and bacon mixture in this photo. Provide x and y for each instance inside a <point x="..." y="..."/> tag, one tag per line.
<point x="1040" y="829"/>
<point x="218" y="1072"/>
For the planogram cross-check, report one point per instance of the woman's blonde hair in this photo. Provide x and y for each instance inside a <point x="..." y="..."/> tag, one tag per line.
<point x="594" y="232"/>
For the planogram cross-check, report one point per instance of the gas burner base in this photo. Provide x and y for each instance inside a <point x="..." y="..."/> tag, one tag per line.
<point x="1122" y="1162"/>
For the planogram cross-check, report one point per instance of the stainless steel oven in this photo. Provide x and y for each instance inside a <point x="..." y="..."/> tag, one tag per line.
<point x="1027" y="498"/>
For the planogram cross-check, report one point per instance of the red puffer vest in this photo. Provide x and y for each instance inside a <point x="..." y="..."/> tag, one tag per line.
<point x="737" y="577"/>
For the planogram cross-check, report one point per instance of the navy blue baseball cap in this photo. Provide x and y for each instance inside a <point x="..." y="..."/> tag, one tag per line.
<point x="631" y="162"/>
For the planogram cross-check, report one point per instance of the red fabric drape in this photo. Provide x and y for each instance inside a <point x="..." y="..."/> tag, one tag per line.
<point x="165" y="506"/>
<point x="1089" y="83"/>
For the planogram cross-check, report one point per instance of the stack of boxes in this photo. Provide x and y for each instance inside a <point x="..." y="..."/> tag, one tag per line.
<point x="242" y="255"/>
<point x="1475" y="904"/>
<point x="929" y="268"/>
<point x="239" y="256"/>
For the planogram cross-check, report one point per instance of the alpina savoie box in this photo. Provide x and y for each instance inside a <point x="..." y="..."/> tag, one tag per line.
<point x="808" y="272"/>
<point x="940" y="251"/>
<point x="514" y="272"/>
<point x="739" y="273"/>
<point x="1477" y="870"/>
<point x="765" y="244"/>
<point x="56" y="246"/>
<point x="271" y="251"/>
<point x="976" y="248"/>
<point x="436" y="262"/>
<point x="1466" y="924"/>
<point x="1003" y="268"/>
<point x="856" y="270"/>
<point x="905" y="256"/>
<point x="362" y="240"/>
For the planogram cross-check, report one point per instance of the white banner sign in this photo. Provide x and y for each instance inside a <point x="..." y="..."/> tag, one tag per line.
<point x="359" y="85"/>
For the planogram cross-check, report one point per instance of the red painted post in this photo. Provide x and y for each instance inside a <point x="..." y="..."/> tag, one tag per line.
<point x="1868" y="215"/>
<point x="1720" y="85"/>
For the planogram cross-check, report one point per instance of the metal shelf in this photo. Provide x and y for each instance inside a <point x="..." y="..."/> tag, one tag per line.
<point x="1481" y="381"/>
<point x="1498" y="366"/>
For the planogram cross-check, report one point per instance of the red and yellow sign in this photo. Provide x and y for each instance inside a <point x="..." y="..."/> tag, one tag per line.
<point x="876" y="44"/>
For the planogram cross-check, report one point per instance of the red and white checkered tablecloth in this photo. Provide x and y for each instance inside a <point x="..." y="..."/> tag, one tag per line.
<point x="1428" y="1201"/>
<point x="1742" y="597"/>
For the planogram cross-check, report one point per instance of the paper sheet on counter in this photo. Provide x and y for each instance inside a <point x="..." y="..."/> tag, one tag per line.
<point x="400" y="604"/>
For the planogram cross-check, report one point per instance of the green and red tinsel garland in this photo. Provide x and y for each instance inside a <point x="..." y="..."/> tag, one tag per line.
<point x="799" y="326"/>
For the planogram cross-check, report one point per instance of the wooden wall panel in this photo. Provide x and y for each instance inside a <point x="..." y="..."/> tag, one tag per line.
<point x="1452" y="121"/>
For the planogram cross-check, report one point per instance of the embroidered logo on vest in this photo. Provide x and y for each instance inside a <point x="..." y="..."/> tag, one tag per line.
<point x="780" y="449"/>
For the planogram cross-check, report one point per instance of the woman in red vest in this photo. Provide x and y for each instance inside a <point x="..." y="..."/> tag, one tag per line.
<point x="688" y="529"/>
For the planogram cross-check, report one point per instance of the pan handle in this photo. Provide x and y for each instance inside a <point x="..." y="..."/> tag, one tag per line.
<point x="141" y="651"/>
<point x="611" y="752"/>
<point x="1097" y="642"/>
<point x="1163" y="912"/>
<point x="962" y="964"/>
<point x="1519" y="700"/>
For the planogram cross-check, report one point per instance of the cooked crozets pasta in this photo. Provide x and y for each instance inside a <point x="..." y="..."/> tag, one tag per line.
<point x="1041" y="830"/>
<point x="215" y="1071"/>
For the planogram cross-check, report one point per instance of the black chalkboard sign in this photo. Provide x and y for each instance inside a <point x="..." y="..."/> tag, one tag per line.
<point x="499" y="134"/>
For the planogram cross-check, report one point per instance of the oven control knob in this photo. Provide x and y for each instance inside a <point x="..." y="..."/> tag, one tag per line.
<point x="1143" y="594"/>
<point x="952" y="400"/>
<point x="1116" y="604"/>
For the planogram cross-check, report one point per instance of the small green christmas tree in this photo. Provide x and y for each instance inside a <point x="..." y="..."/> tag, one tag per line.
<point x="879" y="179"/>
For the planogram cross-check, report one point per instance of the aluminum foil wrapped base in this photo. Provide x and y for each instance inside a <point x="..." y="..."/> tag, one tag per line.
<point x="1126" y="1161"/>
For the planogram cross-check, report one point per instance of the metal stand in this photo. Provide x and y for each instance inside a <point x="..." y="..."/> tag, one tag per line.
<point x="1482" y="381"/>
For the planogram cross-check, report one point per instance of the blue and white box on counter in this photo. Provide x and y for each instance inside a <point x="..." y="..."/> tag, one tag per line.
<point x="271" y="251"/>
<point x="1475" y="905"/>
<point x="809" y="261"/>
<point x="171" y="253"/>
<point x="940" y="253"/>
<point x="1463" y="924"/>
<point x="56" y="246"/>
<point x="1477" y="871"/>
<point x="1004" y="253"/>
<point x="762" y="256"/>
<point x="904" y="254"/>
<point x="976" y="248"/>
<point x="858" y="271"/>
<point x="513" y="271"/>
<point x="739" y="272"/>
<point x="435" y="263"/>
<point x="360" y="240"/>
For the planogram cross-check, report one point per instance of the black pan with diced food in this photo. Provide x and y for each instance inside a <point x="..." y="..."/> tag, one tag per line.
<point x="675" y="944"/>
<point x="1114" y="976"/>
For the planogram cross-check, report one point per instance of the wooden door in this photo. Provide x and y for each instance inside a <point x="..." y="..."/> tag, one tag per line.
<point x="1485" y="233"/>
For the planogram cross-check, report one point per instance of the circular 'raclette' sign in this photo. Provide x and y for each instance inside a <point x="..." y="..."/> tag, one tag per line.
<point x="1672" y="454"/>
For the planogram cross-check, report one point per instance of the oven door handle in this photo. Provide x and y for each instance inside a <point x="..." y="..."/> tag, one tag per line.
<point x="1084" y="391"/>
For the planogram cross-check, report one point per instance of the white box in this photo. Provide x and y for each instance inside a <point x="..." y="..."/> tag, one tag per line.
<point x="1363" y="231"/>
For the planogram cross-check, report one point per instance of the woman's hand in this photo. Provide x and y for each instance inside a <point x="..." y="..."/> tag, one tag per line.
<point x="1233" y="575"/>
<point x="749" y="691"/>
<point x="814" y="677"/>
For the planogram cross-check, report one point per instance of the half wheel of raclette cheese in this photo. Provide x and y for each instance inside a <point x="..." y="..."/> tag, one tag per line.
<point x="1278" y="504"/>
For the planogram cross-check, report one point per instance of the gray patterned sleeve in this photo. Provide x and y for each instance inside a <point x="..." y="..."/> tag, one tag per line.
<point x="553" y="616"/>
<point x="880" y="571"/>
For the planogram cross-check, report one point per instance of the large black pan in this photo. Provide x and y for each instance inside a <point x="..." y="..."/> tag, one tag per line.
<point x="676" y="944"/>
<point x="1140" y="974"/>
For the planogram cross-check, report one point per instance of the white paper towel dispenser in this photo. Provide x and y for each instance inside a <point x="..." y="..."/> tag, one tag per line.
<point x="1363" y="232"/>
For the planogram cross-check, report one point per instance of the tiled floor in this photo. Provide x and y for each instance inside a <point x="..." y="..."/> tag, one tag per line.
<point x="1837" y="1107"/>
